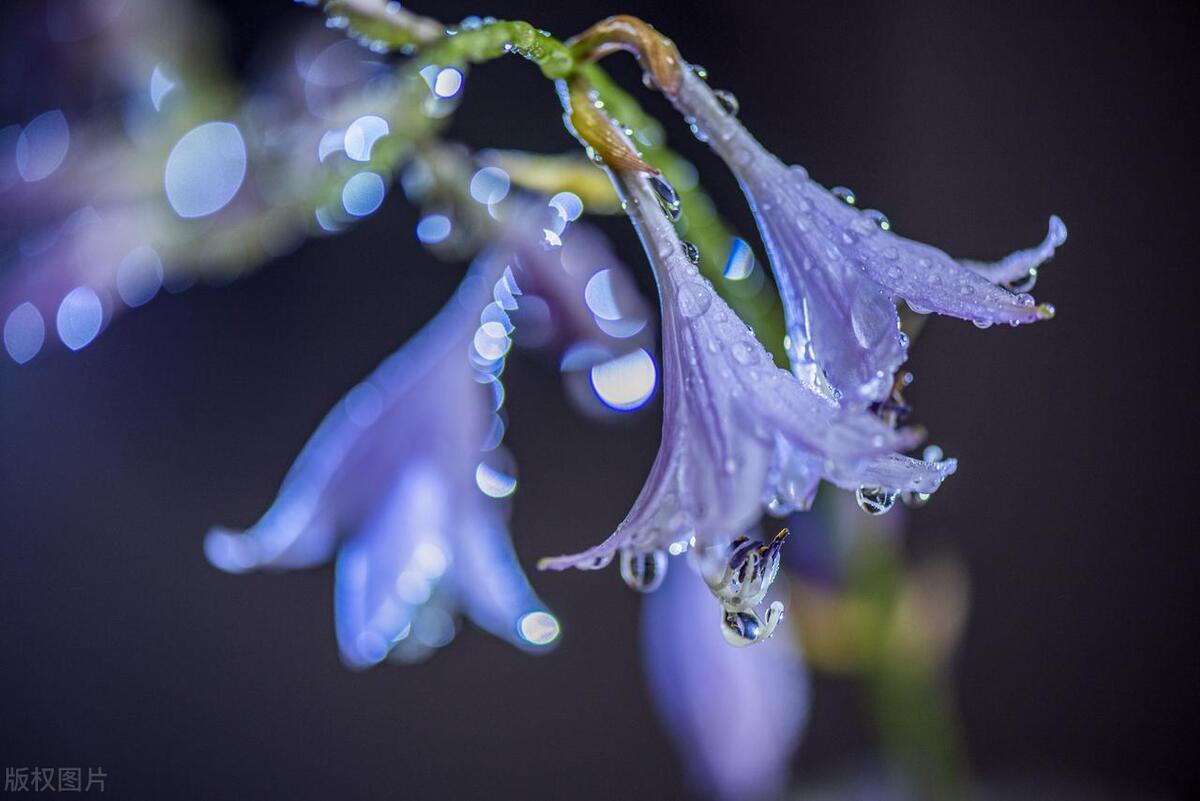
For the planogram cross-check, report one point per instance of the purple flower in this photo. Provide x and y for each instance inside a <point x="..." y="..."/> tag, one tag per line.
<point x="737" y="431"/>
<point x="840" y="269"/>
<point x="735" y="717"/>
<point x="395" y="484"/>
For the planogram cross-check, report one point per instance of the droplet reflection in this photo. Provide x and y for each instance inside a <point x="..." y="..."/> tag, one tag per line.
<point x="24" y="332"/>
<point x="539" y="628"/>
<point x="42" y="145"/>
<point x="363" y="193"/>
<point x="80" y="316"/>
<point x="627" y="382"/>
<point x="205" y="169"/>
<point x="139" y="276"/>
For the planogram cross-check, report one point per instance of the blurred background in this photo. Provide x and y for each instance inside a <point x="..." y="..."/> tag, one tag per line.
<point x="1071" y="512"/>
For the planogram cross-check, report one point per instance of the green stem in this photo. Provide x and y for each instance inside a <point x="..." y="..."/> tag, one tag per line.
<point x="479" y="41"/>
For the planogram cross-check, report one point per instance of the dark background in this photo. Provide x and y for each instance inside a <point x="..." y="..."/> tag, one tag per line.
<point x="1073" y="508"/>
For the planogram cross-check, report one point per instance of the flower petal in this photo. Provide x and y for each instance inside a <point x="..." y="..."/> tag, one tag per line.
<point x="494" y="590"/>
<point x="1021" y="265"/>
<point x="735" y="715"/>
<point x="727" y="411"/>
<point x="839" y="268"/>
<point x="384" y="572"/>
<point x="353" y="456"/>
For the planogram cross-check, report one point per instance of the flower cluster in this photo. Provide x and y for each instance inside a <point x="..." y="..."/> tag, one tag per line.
<point x="405" y="485"/>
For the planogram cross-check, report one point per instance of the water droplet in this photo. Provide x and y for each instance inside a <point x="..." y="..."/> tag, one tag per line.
<point x="878" y="217"/>
<point x="844" y="194"/>
<point x="1025" y="299"/>
<point x="699" y="71"/>
<point x="874" y="501"/>
<point x="914" y="500"/>
<point x="644" y="572"/>
<point x="694" y="299"/>
<point x="982" y="323"/>
<point x="691" y="251"/>
<point x="744" y="352"/>
<point x="668" y="198"/>
<point x="933" y="453"/>
<point x="740" y="628"/>
<point x="729" y="102"/>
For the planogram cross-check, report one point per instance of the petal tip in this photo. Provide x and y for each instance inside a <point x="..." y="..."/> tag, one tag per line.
<point x="1058" y="230"/>
<point x="231" y="551"/>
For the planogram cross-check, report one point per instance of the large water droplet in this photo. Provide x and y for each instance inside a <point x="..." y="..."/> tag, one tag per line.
<point x="694" y="299"/>
<point x="729" y="102"/>
<point x="668" y="198"/>
<point x="740" y="628"/>
<point x="874" y="500"/>
<point x="643" y="572"/>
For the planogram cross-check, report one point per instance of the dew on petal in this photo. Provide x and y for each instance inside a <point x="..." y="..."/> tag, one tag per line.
<point x="539" y="628"/>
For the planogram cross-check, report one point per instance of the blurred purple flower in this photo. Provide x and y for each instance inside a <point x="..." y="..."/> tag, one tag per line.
<point x="394" y="482"/>
<point x="839" y="269"/>
<point x="735" y="717"/>
<point x="737" y="431"/>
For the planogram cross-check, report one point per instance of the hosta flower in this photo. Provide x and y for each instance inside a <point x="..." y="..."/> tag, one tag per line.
<point x="840" y="269"/>
<point x="394" y="484"/>
<point x="735" y="717"/>
<point x="736" y="431"/>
